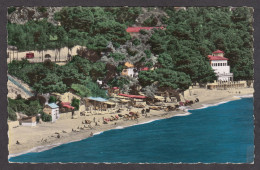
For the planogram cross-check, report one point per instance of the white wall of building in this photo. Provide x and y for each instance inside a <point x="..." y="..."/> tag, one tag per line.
<point x="220" y="66"/>
<point x="28" y="124"/>
<point x="222" y="70"/>
<point x="38" y="54"/>
<point x="130" y="72"/>
<point x="55" y="114"/>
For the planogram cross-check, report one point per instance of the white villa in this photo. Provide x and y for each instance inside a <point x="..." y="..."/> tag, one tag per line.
<point x="220" y="66"/>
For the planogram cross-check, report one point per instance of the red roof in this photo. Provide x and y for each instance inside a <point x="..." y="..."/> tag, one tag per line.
<point x="144" y="69"/>
<point x="67" y="105"/>
<point x="218" y="51"/>
<point x="115" y="88"/>
<point x="216" y="57"/>
<point x="137" y="29"/>
<point x="132" y="96"/>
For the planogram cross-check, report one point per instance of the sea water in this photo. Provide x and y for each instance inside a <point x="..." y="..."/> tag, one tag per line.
<point x="216" y="134"/>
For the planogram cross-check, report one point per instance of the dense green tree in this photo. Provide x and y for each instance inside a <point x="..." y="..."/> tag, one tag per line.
<point x="75" y="103"/>
<point x="117" y="56"/>
<point x="166" y="78"/>
<point x="51" y="83"/>
<point x="182" y="48"/>
<point x="125" y="15"/>
<point x="193" y="34"/>
<point x="52" y="99"/>
<point x="119" y="81"/>
<point x="81" y="90"/>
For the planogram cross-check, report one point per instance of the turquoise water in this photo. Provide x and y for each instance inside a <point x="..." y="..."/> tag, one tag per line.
<point x="223" y="133"/>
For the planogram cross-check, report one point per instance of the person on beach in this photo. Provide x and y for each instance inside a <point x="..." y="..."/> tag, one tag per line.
<point x="143" y="111"/>
<point x="17" y="142"/>
<point x="72" y="113"/>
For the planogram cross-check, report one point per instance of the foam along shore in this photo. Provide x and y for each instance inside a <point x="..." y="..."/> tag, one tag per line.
<point x="48" y="135"/>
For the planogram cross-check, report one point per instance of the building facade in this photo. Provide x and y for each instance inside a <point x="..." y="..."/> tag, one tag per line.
<point x="129" y="70"/>
<point x="53" y="110"/>
<point x="28" y="121"/>
<point x="220" y="66"/>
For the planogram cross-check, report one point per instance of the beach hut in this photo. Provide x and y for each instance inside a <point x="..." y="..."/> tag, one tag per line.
<point x="109" y="104"/>
<point x="53" y="110"/>
<point x="28" y="121"/>
<point x="98" y="103"/>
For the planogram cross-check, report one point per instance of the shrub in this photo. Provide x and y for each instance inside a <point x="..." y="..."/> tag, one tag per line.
<point x="42" y="9"/>
<point x="116" y="44"/>
<point x="136" y="42"/>
<point x="148" y="53"/>
<point x="11" y="10"/>
<point x="46" y="117"/>
<point x="81" y="90"/>
<point x="143" y="32"/>
<point x="75" y="103"/>
<point x="52" y="99"/>
<point x="117" y="56"/>
<point x="11" y="114"/>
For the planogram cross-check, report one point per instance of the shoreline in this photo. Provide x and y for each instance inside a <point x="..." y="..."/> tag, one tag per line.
<point x="121" y="124"/>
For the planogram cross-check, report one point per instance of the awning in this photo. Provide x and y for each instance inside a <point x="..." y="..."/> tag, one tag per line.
<point x="121" y="97"/>
<point x="133" y="96"/>
<point x="114" y="99"/>
<point x="99" y="99"/>
<point x="124" y="101"/>
<point x="68" y="106"/>
<point x="159" y="97"/>
<point x="110" y="103"/>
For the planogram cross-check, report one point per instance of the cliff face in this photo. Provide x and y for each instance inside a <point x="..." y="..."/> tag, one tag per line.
<point x="151" y="17"/>
<point x="21" y="15"/>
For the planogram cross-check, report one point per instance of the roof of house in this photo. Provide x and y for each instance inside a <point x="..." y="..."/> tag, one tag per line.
<point x="129" y="65"/>
<point x="100" y="99"/>
<point x="218" y="51"/>
<point x="137" y="29"/>
<point x="144" y="69"/>
<point x="216" y="58"/>
<point x="53" y="105"/>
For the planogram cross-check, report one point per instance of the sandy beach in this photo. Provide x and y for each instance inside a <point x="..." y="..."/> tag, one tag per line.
<point x="47" y="135"/>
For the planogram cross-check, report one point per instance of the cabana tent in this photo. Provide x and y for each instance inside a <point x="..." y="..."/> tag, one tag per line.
<point x="98" y="103"/>
<point x="133" y="96"/>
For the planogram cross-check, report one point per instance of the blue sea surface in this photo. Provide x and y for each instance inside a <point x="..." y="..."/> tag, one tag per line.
<point x="217" y="134"/>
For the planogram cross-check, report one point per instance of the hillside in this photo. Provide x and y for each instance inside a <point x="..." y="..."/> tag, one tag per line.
<point x="21" y="15"/>
<point x="179" y="51"/>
